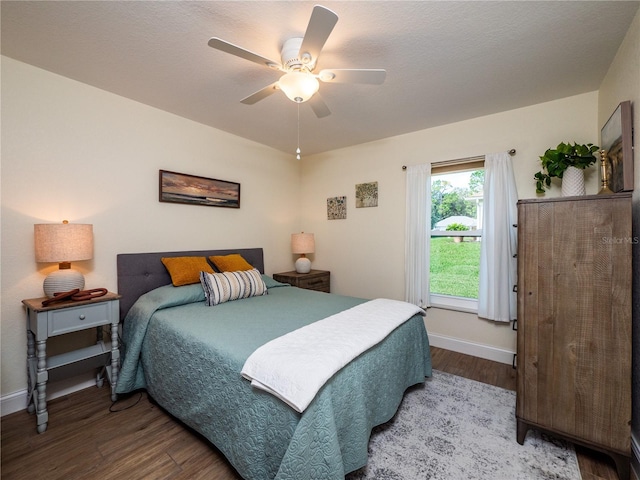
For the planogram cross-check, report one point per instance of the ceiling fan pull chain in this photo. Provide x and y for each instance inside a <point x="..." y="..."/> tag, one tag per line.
<point x="298" y="149"/>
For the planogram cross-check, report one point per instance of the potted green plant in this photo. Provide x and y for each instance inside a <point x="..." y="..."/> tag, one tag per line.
<point x="566" y="159"/>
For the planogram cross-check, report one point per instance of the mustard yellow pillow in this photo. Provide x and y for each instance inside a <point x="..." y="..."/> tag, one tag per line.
<point x="186" y="270"/>
<point x="230" y="263"/>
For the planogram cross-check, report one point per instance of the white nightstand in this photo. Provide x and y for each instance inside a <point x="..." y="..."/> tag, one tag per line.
<point x="58" y="319"/>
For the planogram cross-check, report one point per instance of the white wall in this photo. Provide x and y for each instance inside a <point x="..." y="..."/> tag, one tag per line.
<point x="365" y="252"/>
<point x="71" y="151"/>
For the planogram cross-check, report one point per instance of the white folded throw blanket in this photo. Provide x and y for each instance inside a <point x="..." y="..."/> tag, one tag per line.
<point x="295" y="366"/>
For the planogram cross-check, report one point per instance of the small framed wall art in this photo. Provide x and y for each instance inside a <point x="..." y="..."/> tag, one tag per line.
<point x="367" y="195"/>
<point x="195" y="190"/>
<point x="616" y="141"/>
<point x="336" y="208"/>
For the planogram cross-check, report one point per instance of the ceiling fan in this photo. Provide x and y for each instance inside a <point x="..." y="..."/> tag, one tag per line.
<point x="299" y="59"/>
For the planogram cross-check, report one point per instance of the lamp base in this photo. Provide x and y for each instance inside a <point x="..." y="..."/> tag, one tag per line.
<point x="303" y="265"/>
<point x="62" y="281"/>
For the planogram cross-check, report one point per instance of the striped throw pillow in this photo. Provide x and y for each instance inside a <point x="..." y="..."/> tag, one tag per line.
<point x="224" y="287"/>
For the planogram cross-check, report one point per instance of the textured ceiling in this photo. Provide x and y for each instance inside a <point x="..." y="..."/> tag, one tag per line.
<point x="446" y="61"/>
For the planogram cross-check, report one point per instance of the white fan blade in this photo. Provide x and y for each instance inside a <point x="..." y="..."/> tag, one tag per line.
<point x="352" y="75"/>
<point x="318" y="106"/>
<point x="320" y="26"/>
<point x="227" y="47"/>
<point x="260" y="94"/>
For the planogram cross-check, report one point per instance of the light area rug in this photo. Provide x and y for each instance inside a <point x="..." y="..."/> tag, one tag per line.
<point x="455" y="428"/>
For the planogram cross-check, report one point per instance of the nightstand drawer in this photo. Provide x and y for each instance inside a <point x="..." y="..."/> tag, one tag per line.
<point x="320" y="283"/>
<point x="78" y="318"/>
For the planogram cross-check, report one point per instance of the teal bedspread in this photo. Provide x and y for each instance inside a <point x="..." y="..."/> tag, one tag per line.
<point x="189" y="356"/>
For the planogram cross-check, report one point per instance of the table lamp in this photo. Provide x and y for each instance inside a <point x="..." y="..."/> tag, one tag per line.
<point x="63" y="243"/>
<point x="303" y="243"/>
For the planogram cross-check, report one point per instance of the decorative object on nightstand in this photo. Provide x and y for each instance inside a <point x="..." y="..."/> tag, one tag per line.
<point x="303" y="243"/>
<point x="61" y="318"/>
<point x="63" y="243"/>
<point x="318" y="280"/>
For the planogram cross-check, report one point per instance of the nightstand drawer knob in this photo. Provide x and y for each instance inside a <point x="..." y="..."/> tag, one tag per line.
<point x="82" y="317"/>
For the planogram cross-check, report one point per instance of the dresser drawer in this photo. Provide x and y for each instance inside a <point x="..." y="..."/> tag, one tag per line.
<point x="78" y="318"/>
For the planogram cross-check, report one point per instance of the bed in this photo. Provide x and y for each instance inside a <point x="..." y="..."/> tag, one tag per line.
<point x="189" y="358"/>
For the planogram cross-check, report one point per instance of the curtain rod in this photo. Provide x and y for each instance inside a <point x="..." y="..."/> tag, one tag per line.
<point x="511" y="152"/>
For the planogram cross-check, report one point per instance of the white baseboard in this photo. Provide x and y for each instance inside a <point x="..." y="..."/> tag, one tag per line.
<point x="470" y="348"/>
<point x="16" y="401"/>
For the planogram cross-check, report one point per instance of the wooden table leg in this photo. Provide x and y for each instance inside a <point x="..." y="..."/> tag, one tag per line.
<point x="42" y="416"/>
<point x="115" y="360"/>
<point x="31" y="382"/>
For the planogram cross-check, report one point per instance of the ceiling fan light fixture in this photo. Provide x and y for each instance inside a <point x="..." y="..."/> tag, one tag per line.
<point x="298" y="86"/>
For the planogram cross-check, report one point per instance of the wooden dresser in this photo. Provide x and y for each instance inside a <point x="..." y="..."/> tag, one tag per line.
<point x="574" y="321"/>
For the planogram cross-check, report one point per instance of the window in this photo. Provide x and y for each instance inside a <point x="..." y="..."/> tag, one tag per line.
<point x="456" y="222"/>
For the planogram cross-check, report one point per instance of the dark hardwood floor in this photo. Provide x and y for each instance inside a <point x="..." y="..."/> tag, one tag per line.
<point x="86" y="441"/>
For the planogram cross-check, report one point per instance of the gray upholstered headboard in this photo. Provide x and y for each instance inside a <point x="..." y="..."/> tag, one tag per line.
<point x="139" y="273"/>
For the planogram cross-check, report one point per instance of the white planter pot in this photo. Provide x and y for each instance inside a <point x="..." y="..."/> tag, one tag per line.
<point x="573" y="182"/>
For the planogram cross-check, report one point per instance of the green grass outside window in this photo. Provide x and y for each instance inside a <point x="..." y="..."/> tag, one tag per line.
<point x="455" y="267"/>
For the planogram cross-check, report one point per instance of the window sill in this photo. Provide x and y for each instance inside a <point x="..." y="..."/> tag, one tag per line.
<point x="449" y="302"/>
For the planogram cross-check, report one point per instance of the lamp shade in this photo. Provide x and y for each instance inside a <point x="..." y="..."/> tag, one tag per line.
<point x="63" y="243"/>
<point x="299" y="86"/>
<point x="302" y="243"/>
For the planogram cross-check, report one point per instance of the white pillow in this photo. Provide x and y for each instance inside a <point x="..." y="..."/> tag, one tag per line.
<point x="227" y="286"/>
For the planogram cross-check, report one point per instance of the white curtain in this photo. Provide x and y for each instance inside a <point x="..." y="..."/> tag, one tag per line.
<point x="417" y="234"/>
<point x="498" y="264"/>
